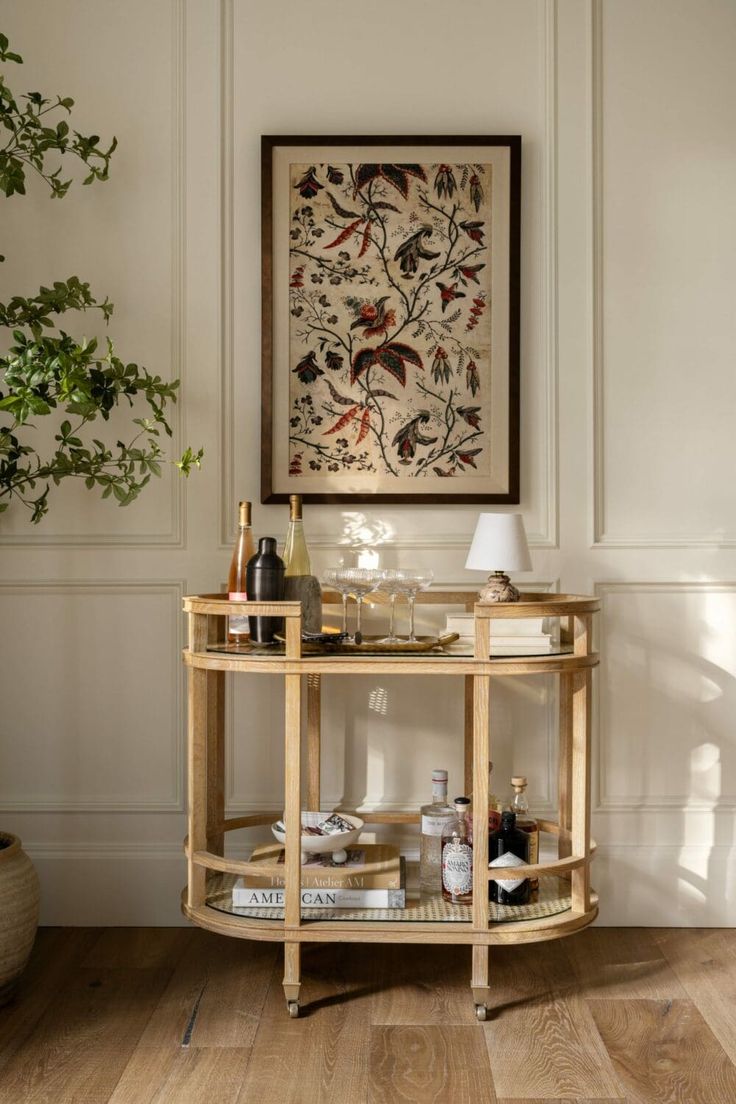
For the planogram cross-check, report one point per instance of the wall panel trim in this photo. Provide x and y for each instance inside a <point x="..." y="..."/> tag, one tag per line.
<point x="174" y="803"/>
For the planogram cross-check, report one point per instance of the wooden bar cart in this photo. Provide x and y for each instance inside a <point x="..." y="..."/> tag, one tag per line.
<point x="566" y="902"/>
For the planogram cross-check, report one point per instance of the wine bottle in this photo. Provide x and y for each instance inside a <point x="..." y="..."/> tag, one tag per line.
<point x="299" y="583"/>
<point x="238" y="630"/>
<point x="525" y="823"/>
<point x="264" y="582"/>
<point x="509" y="847"/>
<point x="457" y="856"/>
<point x="494" y="805"/>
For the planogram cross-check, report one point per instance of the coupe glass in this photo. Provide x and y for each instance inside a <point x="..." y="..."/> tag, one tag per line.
<point x="360" y="581"/>
<point x="335" y="579"/>
<point x="392" y="583"/>
<point x="412" y="583"/>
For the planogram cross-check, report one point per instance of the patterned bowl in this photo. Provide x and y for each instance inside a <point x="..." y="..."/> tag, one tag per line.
<point x="337" y="843"/>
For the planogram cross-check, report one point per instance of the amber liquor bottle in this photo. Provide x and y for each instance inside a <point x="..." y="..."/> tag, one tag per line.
<point x="238" y="631"/>
<point x="525" y="822"/>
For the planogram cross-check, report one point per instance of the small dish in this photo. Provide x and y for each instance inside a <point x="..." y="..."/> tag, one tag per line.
<point x="337" y="842"/>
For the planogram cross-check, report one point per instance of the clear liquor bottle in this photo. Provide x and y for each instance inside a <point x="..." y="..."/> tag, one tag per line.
<point x="457" y="856"/>
<point x="435" y="817"/>
<point x="525" y="822"/>
<point x="238" y="629"/>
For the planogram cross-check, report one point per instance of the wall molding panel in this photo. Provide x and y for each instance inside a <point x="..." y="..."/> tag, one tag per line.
<point x="603" y="800"/>
<point x="602" y="536"/>
<point x="174" y="538"/>
<point x="169" y="802"/>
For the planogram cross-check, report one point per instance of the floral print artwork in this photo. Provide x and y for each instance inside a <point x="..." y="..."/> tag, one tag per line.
<point x="390" y="319"/>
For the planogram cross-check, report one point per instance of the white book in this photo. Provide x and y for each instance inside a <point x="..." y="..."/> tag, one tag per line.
<point x="314" y="897"/>
<point x="507" y="626"/>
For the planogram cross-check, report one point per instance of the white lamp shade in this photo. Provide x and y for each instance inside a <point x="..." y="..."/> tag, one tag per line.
<point x="499" y="544"/>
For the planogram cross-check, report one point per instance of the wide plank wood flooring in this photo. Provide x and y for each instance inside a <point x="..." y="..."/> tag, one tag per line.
<point x="179" y="1016"/>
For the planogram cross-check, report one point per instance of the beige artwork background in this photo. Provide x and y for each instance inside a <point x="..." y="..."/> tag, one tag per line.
<point x="407" y="279"/>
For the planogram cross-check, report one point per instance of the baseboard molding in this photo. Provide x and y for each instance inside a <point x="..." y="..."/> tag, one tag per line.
<point x="121" y="885"/>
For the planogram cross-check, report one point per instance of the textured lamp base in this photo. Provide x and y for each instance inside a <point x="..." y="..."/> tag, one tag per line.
<point x="499" y="588"/>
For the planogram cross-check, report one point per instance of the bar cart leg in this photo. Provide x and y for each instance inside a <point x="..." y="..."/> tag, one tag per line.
<point x="564" y="777"/>
<point x="292" y="821"/>
<point x="581" y="695"/>
<point x="479" y="981"/>
<point x="481" y="755"/>
<point x="292" y="977"/>
<point x="215" y="748"/>
<point x="314" y="732"/>
<point x="197" y="755"/>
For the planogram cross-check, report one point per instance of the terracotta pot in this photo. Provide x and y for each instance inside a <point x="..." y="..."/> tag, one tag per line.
<point x="19" y="900"/>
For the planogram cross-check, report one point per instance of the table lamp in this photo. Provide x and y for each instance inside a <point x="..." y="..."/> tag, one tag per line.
<point x="499" y="545"/>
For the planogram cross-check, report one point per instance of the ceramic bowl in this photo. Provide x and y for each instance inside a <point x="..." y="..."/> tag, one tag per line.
<point x="320" y="845"/>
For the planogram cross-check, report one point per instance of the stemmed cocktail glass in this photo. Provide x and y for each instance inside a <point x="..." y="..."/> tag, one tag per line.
<point x="411" y="584"/>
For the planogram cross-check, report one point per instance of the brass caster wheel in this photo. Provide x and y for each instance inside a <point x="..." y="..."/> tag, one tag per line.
<point x="293" y="1007"/>
<point x="481" y="1012"/>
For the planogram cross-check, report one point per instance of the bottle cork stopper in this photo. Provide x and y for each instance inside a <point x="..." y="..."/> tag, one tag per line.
<point x="518" y="782"/>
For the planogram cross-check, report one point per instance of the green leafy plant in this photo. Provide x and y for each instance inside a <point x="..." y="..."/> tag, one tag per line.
<point x="45" y="370"/>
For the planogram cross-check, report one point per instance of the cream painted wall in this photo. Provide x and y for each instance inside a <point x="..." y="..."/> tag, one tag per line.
<point x="627" y="338"/>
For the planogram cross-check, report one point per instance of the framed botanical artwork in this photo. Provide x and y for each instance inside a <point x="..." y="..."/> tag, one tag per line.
<point x="391" y="319"/>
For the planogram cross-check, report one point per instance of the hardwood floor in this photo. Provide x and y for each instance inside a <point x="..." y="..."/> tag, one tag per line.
<point x="179" y="1016"/>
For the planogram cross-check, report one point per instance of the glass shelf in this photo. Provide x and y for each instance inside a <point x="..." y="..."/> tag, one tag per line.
<point x="554" y="897"/>
<point x="453" y="652"/>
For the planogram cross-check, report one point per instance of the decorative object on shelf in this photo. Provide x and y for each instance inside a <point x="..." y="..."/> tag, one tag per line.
<point x="390" y="373"/>
<point x="321" y="833"/>
<point x="300" y="585"/>
<point x="499" y="545"/>
<point x="371" y="645"/>
<point x="19" y="902"/>
<point x="264" y="582"/>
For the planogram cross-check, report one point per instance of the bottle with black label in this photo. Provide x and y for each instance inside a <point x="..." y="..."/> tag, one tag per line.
<point x="509" y="847"/>
<point x="299" y="583"/>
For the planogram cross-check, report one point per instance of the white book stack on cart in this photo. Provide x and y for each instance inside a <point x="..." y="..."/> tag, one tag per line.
<point x="509" y="636"/>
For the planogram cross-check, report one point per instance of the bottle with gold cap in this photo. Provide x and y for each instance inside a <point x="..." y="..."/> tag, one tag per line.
<point x="300" y="585"/>
<point x="525" y="823"/>
<point x="238" y="627"/>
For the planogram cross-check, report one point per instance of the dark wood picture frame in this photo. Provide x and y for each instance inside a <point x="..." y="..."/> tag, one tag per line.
<point x="272" y="494"/>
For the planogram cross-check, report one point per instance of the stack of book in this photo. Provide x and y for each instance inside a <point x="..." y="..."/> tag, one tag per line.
<point x="509" y="636"/>
<point x="374" y="876"/>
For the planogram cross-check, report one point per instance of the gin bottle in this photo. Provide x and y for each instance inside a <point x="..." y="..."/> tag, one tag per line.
<point x="435" y="817"/>
<point x="509" y="847"/>
<point x="457" y="856"/>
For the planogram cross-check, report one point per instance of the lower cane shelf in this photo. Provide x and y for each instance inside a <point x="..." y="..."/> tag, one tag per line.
<point x="565" y="902"/>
